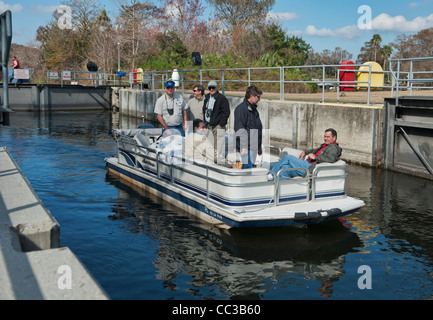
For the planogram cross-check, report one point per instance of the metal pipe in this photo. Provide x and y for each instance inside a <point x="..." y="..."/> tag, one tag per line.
<point x="6" y="40"/>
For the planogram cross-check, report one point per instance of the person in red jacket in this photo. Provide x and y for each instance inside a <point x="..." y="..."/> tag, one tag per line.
<point x="15" y="63"/>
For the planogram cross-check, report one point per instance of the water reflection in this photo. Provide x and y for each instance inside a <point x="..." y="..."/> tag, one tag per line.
<point x="398" y="206"/>
<point x="244" y="264"/>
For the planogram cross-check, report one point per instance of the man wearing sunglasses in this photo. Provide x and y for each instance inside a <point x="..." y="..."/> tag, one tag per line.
<point x="195" y="104"/>
<point x="216" y="111"/>
<point x="171" y="111"/>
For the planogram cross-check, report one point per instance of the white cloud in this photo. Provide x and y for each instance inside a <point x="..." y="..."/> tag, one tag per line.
<point x="382" y="23"/>
<point x="173" y="10"/>
<point x="14" y="8"/>
<point x="324" y="32"/>
<point x="43" y="9"/>
<point x="347" y="32"/>
<point x="420" y="3"/>
<point x="385" y="22"/>
<point x="282" y="16"/>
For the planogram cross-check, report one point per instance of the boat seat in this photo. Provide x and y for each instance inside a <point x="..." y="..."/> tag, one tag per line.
<point x="339" y="168"/>
<point x="333" y="185"/>
<point x="229" y="175"/>
<point x="290" y="151"/>
<point x="142" y="140"/>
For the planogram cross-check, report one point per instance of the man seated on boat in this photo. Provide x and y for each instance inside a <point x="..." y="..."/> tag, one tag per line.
<point x="329" y="151"/>
<point x="197" y="145"/>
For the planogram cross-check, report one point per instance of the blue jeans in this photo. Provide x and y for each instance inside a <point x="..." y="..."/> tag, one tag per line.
<point x="289" y="162"/>
<point x="249" y="159"/>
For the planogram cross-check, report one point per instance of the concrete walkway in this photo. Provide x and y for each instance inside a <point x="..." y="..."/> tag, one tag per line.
<point x="32" y="264"/>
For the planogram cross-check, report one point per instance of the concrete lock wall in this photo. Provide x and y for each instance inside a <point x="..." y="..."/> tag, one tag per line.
<point x="32" y="263"/>
<point x="294" y="124"/>
<point x="58" y="98"/>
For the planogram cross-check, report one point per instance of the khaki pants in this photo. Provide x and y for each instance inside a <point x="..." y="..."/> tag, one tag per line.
<point x="218" y="138"/>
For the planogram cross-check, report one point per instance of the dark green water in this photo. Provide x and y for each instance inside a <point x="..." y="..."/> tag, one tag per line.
<point x="137" y="247"/>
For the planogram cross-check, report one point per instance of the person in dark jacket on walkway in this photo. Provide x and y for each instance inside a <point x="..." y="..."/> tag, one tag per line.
<point x="248" y="128"/>
<point x="216" y="111"/>
<point x="329" y="151"/>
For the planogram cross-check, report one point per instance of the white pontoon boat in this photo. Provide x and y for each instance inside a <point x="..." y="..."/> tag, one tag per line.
<point x="230" y="197"/>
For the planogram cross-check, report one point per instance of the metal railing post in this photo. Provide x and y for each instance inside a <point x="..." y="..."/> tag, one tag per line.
<point x="338" y="86"/>
<point x="222" y="80"/>
<point x="398" y="84"/>
<point x="410" y="77"/>
<point x="369" y="85"/>
<point x="183" y="79"/>
<point x="282" y="83"/>
<point x="323" y="83"/>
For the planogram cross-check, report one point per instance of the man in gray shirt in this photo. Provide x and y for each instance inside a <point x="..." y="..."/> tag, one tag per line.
<point x="195" y="104"/>
<point x="171" y="111"/>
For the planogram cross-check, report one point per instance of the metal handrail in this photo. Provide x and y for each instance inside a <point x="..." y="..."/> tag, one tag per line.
<point x="285" y="179"/>
<point x="310" y="178"/>
<point x="396" y="75"/>
<point x="151" y="77"/>
<point x="96" y="78"/>
<point x="315" y="177"/>
<point x="282" y="81"/>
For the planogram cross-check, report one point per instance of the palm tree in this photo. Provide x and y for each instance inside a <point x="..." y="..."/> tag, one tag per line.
<point x="376" y="41"/>
<point x="385" y="52"/>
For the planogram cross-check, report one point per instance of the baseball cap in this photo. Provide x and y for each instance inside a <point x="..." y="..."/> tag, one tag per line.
<point x="169" y="83"/>
<point x="212" y="84"/>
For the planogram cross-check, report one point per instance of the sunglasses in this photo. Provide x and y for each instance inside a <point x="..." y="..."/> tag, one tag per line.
<point x="212" y="88"/>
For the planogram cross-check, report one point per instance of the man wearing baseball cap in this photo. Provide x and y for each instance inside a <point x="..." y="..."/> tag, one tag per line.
<point x="171" y="111"/>
<point x="216" y="111"/>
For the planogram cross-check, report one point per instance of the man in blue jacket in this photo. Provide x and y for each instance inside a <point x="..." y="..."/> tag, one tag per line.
<point x="248" y="128"/>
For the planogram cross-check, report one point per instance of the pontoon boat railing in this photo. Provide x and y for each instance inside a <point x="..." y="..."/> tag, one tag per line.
<point x="280" y="178"/>
<point x="315" y="176"/>
<point x="143" y="152"/>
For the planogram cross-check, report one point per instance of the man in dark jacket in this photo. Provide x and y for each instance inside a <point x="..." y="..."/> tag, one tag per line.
<point x="248" y="127"/>
<point x="216" y="111"/>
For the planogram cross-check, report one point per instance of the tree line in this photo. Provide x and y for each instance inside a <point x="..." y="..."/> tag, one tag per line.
<point x="162" y="36"/>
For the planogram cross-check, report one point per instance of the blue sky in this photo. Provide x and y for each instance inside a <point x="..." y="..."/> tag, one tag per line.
<point x="323" y="24"/>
